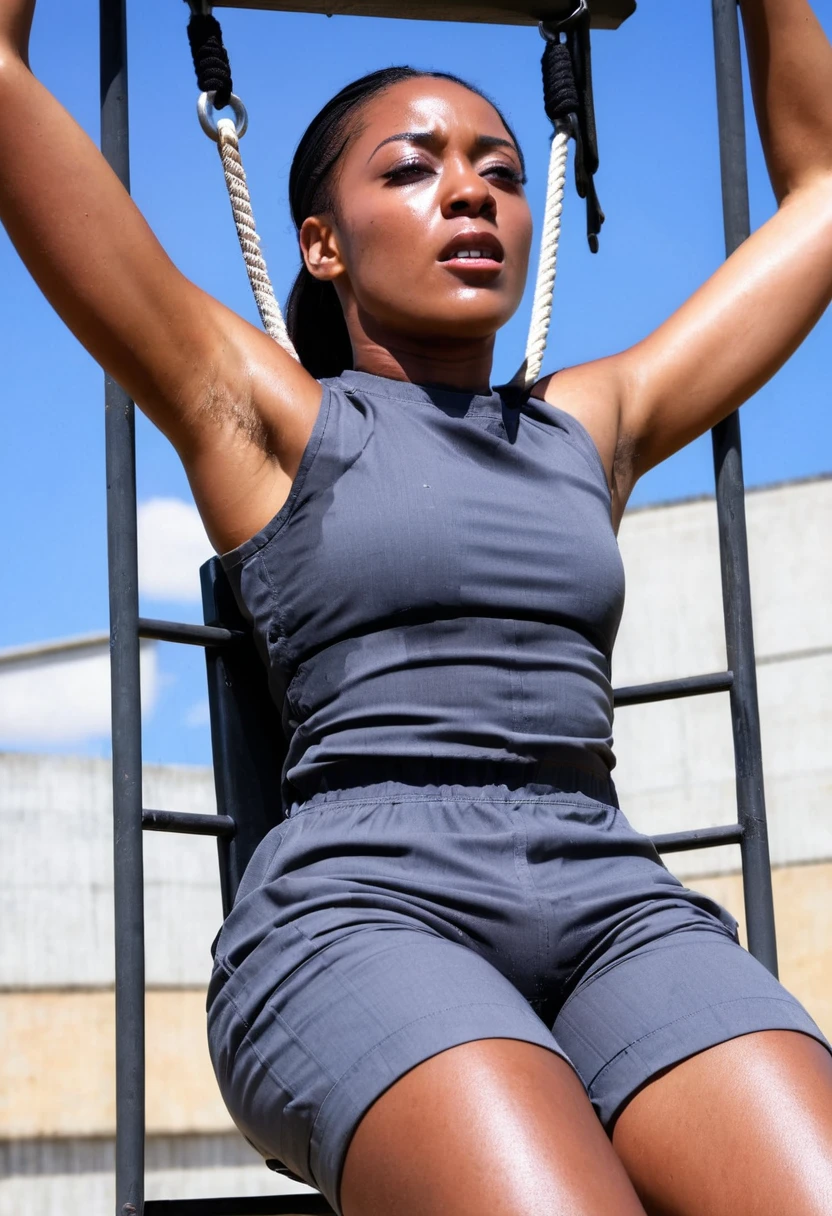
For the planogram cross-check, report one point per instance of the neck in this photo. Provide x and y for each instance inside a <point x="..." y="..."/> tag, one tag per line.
<point x="463" y="364"/>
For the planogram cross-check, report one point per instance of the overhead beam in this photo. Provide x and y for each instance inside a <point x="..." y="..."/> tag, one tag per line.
<point x="606" y="14"/>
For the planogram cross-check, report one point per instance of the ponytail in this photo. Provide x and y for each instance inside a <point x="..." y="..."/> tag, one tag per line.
<point x="316" y="325"/>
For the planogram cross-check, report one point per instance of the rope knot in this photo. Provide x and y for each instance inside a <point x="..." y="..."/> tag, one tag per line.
<point x="213" y="71"/>
<point x="560" y="92"/>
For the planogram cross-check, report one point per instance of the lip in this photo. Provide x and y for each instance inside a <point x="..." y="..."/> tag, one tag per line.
<point x="487" y="242"/>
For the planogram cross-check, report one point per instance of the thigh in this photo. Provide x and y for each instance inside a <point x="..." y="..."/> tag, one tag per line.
<point x="494" y="1126"/>
<point x="744" y="1127"/>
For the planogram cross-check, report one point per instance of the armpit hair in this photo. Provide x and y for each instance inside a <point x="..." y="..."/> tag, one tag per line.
<point x="223" y="408"/>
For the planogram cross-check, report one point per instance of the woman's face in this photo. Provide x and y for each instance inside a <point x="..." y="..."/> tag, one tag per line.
<point x="432" y="228"/>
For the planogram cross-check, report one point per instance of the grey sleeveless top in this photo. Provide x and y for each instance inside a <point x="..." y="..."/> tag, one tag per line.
<point x="440" y="593"/>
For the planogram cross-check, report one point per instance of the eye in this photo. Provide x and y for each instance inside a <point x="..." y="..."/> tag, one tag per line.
<point x="407" y="172"/>
<point x="505" y="173"/>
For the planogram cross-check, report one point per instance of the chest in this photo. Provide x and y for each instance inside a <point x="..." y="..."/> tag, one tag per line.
<point x="455" y="516"/>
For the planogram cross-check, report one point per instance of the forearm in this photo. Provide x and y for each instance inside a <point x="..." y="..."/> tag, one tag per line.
<point x="790" y="61"/>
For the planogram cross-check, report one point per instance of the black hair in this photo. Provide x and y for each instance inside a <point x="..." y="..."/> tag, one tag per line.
<point x="314" y="316"/>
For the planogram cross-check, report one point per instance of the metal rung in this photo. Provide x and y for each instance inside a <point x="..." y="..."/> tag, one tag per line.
<point x="191" y="825"/>
<point x="672" y="690"/>
<point x="271" y="1205"/>
<point x="699" y="838"/>
<point x="190" y="635"/>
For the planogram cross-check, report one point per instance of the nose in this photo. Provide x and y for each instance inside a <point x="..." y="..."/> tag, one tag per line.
<point x="466" y="192"/>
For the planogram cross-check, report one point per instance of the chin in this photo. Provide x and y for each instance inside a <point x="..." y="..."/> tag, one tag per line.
<point x="465" y="319"/>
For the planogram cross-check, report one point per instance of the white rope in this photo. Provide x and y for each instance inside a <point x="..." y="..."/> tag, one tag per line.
<point x="528" y="373"/>
<point x="258" y="275"/>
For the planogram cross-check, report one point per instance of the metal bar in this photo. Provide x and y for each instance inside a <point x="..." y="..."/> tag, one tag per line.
<point x="672" y="690"/>
<point x="192" y="825"/>
<point x="126" y="694"/>
<point x="698" y="838"/>
<point x="273" y="1205"/>
<point x="190" y="635"/>
<point x="733" y="539"/>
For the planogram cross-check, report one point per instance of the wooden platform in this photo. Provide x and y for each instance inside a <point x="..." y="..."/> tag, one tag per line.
<point x="606" y="14"/>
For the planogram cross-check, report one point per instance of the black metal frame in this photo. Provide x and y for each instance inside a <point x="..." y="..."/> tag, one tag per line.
<point x="249" y="729"/>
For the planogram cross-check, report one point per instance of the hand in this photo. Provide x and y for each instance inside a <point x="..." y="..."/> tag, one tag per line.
<point x="16" y="25"/>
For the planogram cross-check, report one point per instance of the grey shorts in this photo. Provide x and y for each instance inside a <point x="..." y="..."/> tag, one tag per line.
<point x="378" y="926"/>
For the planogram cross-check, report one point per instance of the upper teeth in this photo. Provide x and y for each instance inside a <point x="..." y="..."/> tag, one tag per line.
<point x="471" y="253"/>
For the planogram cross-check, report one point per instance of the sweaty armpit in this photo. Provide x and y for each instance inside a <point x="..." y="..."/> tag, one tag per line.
<point x="221" y="407"/>
<point x="623" y="476"/>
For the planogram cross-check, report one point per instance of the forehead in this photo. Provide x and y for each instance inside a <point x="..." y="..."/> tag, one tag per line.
<point x="428" y="104"/>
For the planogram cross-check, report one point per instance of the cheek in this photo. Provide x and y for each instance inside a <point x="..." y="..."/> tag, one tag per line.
<point x="395" y="231"/>
<point x="519" y="230"/>
<point x="388" y="252"/>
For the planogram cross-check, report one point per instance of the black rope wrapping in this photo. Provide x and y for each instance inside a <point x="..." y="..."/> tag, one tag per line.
<point x="567" y="98"/>
<point x="560" y="92"/>
<point x="213" y="71"/>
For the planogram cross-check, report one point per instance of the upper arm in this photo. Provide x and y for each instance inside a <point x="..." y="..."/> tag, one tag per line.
<point x="237" y="408"/>
<point x="731" y="336"/>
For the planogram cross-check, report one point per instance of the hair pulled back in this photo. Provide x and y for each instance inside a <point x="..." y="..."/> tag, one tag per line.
<point x="314" y="316"/>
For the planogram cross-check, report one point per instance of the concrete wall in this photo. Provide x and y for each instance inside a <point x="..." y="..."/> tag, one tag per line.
<point x="675" y="759"/>
<point x="675" y="771"/>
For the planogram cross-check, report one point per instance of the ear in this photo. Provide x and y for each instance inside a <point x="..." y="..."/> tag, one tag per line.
<point x="319" y="249"/>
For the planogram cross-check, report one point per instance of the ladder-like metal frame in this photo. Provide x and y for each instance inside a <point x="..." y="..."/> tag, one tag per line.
<point x="127" y="627"/>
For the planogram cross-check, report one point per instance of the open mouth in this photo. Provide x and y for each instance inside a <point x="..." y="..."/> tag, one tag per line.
<point x="473" y="251"/>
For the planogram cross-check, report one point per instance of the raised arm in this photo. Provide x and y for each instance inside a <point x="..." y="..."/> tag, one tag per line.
<point x="238" y="409"/>
<point x="739" y="328"/>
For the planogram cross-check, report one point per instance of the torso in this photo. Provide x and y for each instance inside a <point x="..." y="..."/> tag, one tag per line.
<point x="443" y="583"/>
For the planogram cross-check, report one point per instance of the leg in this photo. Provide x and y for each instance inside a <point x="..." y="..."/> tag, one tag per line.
<point x="497" y="1126"/>
<point x="744" y="1127"/>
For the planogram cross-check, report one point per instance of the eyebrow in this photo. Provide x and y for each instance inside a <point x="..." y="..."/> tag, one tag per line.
<point x="428" y="138"/>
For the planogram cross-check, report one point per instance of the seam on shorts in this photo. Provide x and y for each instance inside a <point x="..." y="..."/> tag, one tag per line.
<point x="668" y="942"/>
<point x="342" y="974"/>
<point x="520" y="839"/>
<point x="268" y="1010"/>
<point x="237" y="1010"/>
<point x="435" y="1013"/>
<point x="269" y="1068"/>
<point x="684" y="1018"/>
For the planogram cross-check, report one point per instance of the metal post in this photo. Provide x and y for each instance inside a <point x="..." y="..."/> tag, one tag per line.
<point x="126" y="696"/>
<point x="733" y="539"/>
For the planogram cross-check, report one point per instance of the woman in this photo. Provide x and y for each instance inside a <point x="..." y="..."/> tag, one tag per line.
<point x="455" y="979"/>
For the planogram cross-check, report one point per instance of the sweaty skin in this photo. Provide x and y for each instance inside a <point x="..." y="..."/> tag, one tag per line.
<point x="494" y="1126"/>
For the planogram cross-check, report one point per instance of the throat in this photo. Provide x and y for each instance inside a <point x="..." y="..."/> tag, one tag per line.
<point x="462" y="365"/>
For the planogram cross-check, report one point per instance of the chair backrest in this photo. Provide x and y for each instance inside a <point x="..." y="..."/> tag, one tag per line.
<point x="246" y="733"/>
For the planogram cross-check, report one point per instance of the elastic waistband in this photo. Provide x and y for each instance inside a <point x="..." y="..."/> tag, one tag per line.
<point x="457" y="780"/>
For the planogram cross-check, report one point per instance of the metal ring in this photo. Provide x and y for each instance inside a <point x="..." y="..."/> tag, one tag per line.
<point x="550" y="29"/>
<point x="208" y="115"/>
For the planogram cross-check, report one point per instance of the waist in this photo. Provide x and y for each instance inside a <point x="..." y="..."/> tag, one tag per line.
<point x="393" y="779"/>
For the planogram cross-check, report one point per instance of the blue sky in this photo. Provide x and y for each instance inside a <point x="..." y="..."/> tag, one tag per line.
<point x="659" y="185"/>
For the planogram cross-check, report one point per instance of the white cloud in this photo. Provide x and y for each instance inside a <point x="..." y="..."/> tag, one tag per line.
<point x="172" y="547"/>
<point x="65" y="699"/>
<point x="199" y="714"/>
